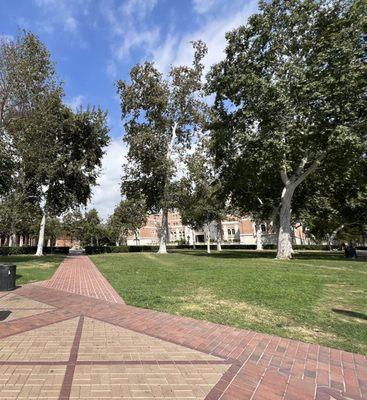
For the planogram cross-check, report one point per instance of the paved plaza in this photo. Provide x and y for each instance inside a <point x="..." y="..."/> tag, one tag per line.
<point x="73" y="337"/>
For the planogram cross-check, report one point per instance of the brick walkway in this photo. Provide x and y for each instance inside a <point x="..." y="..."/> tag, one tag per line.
<point x="59" y="344"/>
<point x="79" y="275"/>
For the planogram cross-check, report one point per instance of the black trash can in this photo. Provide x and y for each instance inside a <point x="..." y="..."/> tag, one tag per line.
<point x="7" y="277"/>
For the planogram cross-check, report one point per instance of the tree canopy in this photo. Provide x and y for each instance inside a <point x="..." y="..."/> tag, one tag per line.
<point x="57" y="151"/>
<point x="161" y="116"/>
<point x="290" y="98"/>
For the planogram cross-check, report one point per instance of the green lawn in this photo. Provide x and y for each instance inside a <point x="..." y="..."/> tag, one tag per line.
<point x="31" y="268"/>
<point x="297" y="299"/>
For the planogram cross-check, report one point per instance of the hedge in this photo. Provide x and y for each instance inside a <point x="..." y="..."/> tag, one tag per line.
<point x="213" y="246"/>
<point x="138" y="249"/>
<point x="7" y="251"/>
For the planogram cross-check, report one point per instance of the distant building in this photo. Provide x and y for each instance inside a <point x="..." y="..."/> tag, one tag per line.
<point x="235" y="230"/>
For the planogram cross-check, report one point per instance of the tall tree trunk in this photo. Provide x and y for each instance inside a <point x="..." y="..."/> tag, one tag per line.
<point x="259" y="241"/>
<point x="208" y="239"/>
<point x="12" y="240"/>
<point x="41" y="235"/>
<point x="219" y="235"/>
<point x="163" y="233"/>
<point x="285" y="249"/>
<point x="21" y="240"/>
<point x="136" y="234"/>
<point x="193" y="239"/>
<point x="333" y="235"/>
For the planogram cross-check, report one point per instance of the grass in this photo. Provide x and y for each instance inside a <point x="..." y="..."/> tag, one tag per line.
<point x="316" y="298"/>
<point x="31" y="268"/>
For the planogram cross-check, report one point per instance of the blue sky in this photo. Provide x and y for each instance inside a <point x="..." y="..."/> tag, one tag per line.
<point x="96" y="42"/>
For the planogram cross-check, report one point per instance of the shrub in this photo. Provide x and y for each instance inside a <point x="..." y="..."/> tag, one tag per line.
<point x="7" y="251"/>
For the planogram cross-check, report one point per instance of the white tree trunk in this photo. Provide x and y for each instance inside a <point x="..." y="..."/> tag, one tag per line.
<point x="259" y="240"/>
<point x="12" y="240"/>
<point x="41" y="235"/>
<point x="163" y="232"/>
<point x="333" y="235"/>
<point x="219" y="235"/>
<point x="193" y="236"/>
<point x="21" y="240"/>
<point x="285" y="249"/>
<point x="208" y="240"/>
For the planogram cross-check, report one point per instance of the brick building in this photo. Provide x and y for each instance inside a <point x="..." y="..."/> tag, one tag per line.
<point x="235" y="230"/>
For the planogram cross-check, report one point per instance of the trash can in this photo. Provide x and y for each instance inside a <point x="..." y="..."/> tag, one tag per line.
<point x="7" y="277"/>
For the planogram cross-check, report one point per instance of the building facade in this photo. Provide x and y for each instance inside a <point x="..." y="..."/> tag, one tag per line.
<point x="235" y="230"/>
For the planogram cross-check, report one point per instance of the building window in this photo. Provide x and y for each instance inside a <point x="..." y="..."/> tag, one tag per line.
<point x="233" y="231"/>
<point x="229" y="231"/>
<point x="263" y="228"/>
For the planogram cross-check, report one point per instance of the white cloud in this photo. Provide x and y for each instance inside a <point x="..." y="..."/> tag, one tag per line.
<point x="107" y="194"/>
<point x="111" y="69"/>
<point x="62" y="14"/>
<point x="203" y="6"/>
<point x="135" y="39"/>
<point x="130" y="27"/>
<point x="138" y="8"/>
<point x="178" y="50"/>
<point x="70" y="23"/>
<point x="75" y="102"/>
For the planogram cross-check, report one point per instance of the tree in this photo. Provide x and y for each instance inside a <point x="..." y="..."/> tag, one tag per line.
<point x="53" y="230"/>
<point x="72" y="224"/>
<point x="128" y="217"/>
<point x="59" y="151"/>
<point x="201" y="202"/>
<point x="290" y="95"/>
<point x="6" y="167"/>
<point x="91" y="228"/>
<point x="160" y="117"/>
<point x="17" y="217"/>
<point x="340" y="204"/>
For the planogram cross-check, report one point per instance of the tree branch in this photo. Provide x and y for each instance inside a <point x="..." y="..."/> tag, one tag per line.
<point x="300" y="178"/>
<point x="284" y="175"/>
<point x="173" y="138"/>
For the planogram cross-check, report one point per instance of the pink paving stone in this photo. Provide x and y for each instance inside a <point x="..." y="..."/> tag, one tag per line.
<point x="78" y="275"/>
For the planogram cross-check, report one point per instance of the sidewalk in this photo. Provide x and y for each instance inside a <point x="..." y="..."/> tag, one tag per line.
<point x="72" y="337"/>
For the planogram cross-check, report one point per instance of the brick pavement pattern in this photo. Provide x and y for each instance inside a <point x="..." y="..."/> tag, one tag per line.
<point x="77" y="274"/>
<point x="64" y="340"/>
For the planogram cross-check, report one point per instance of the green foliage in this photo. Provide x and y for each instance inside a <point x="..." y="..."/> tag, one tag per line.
<point x="290" y="98"/>
<point x="91" y="229"/>
<point x="128" y="217"/>
<point x="335" y="200"/>
<point x="18" y="215"/>
<point x="6" y="251"/>
<point x="200" y="193"/>
<point x="72" y="224"/>
<point x="55" y="152"/>
<point x="161" y="115"/>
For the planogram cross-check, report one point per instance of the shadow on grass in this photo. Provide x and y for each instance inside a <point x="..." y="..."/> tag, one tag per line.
<point x="271" y="254"/>
<point x="18" y="257"/>
<point x="348" y="313"/>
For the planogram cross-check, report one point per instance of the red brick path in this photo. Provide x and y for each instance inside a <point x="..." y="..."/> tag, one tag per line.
<point x="261" y="367"/>
<point x="80" y="276"/>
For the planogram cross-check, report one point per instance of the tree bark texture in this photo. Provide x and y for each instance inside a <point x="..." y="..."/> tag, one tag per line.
<point x="41" y="236"/>
<point x="163" y="231"/>
<point x="285" y="249"/>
